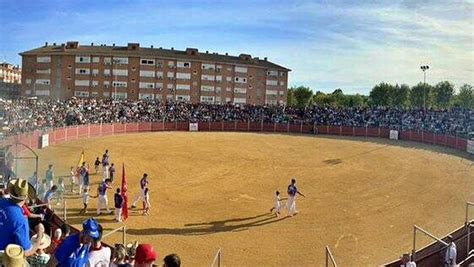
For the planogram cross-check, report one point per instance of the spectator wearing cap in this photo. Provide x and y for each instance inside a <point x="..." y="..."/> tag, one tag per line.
<point x="15" y="229"/>
<point x="173" y="260"/>
<point x="14" y="256"/>
<point x="99" y="255"/>
<point x="90" y="231"/>
<point x="451" y="253"/>
<point x="146" y="256"/>
<point x="40" y="258"/>
<point x="406" y="261"/>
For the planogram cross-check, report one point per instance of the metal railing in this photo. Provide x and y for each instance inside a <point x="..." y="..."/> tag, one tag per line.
<point x="124" y="234"/>
<point x="417" y="228"/>
<point x="217" y="258"/>
<point x="330" y="258"/>
<point x="468" y="204"/>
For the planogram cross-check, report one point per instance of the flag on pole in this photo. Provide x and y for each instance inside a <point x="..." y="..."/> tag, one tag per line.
<point x="124" y="195"/>
<point x="81" y="159"/>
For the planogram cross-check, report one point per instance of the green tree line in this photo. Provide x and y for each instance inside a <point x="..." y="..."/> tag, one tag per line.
<point x="442" y="95"/>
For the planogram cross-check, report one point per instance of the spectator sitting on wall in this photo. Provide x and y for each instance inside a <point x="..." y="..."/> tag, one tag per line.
<point x="48" y="197"/>
<point x="146" y="256"/>
<point x="99" y="255"/>
<point x="55" y="241"/>
<point x="40" y="258"/>
<point x="90" y="231"/>
<point x="406" y="261"/>
<point x="15" y="229"/>
<point x="173" y="260"/>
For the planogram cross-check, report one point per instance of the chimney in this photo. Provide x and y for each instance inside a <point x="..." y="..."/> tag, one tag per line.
<point x="72" y="45"/>
<point x="113" y="44"/>
<point x="63" y="47"/>
<point x="191" y="51"/>
<point x="133" y="46"/>
<point x="54" y="44"/>
<point x="172" y="48"/>
<point x="45" y="43"/>
<point x="151" y="46"/>
<point x="207" y="51"/>
<point x="226" y="54"/>
<point x="92" y="44"/>
<point x="161" y="47"/>
<point x="265" y="58"/>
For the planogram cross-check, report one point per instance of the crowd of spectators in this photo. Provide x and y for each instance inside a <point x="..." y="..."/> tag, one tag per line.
<point x="27" y="115"/>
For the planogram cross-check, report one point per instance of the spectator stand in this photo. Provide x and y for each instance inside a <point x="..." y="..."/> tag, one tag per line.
<point x="330" y="258"/>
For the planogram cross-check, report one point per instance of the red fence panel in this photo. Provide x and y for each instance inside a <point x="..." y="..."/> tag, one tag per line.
<point x="82" y="131"/>
<point x="119" y="128"/>
<point x="131" y="127"/>
<point x="440" y="139"/>
<point x="268" y="127"/>
<point x="323" y="129"/>
<point x="281" y="127"/>
<point x="428" y="138"/>
<point x="373" y="132"/>
<point x="334" y="130"/>
<point x="157" y="126"/>
<point x="255" y="127"/>
<point x="242" y="126"/>
<point x="169" y="126"/>
<point x="94" y="130"/>
<point x="295" y="128"/>
<point x="308" y="128"/>
<point x="34" y="140"/>
<point x="229" y="126"/>
<point x="404" y="135"/>
<point x="107" y="129"/>
<point x="346" y="130"/>
<point x="203" y="126"/>
<point x="71" y="133"/>
<point x="461" y="144"/>
<point x="144" y="127"/>
<point x="416" y="136"/>
<point x="59" y="135"/>
<point x="384" y="133"/>
<point x="451" y="141"/>
<point x="216" y="126"/>
<point x="359" y="131"/>
<point x="182" y="126"/>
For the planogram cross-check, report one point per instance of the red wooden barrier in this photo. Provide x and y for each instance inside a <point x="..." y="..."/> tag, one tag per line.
<point x="242" y="126"/>
<point x="82" y="131"/>
<point x="346" y="130"/>
<point x="268" y="127"/>
<point x="71" y="133"/>
<point x="372" y="132"/>
<point x="157" y="126"/>
<point x="415" y="136"/>
<point x="229" y="126"/>
<point x="323" y="129"/>
<point x="119" y="128"/>
<point x="255" y="127"/>
<point x="182" y="126"/>
<point x="59" y="135"/>
<point x="169" y="126"/>
<point x="281" y="127"/>
<point x="295" y="128"/>
<point x="384" y="133"/>
<point x="144" y="127"/>
<point x="428" y="138"/>
<point x="334" y="130"/>
<point x="360" y="131"/>
<point x="309" y="128"/>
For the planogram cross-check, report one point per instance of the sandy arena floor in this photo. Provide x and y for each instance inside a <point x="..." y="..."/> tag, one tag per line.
<point x="214" y="190"/>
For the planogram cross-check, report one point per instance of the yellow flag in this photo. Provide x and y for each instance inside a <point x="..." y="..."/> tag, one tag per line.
<point x="81" y="159"/>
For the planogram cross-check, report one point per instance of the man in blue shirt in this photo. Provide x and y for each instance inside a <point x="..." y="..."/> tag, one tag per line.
<point x="49" y="176"/>
<point x="291" y="204"/>
<point x="90" y="232"/>
<point x="14" y="226"/>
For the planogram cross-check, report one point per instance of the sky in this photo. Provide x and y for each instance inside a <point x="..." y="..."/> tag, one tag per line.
<point x="328" y="44"/>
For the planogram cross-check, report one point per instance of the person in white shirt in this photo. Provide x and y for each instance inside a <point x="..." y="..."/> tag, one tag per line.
<point x="451" y="253"/>
<point x="406" y="262"/>
<point x="277" y="206"/>
<point x="99" y="256"/>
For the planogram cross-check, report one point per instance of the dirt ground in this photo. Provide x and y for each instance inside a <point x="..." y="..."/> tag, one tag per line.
<point x="215" y="190"/>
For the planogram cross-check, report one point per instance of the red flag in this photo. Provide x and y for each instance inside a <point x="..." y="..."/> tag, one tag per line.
<point x="124" y="195"/>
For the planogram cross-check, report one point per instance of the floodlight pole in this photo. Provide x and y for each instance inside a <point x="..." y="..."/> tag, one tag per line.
<point x="424" y="69"/>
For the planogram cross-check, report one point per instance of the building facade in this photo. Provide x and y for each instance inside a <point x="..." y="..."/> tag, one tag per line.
<point x="134" y="72"/>
<point x="10" y="73"/>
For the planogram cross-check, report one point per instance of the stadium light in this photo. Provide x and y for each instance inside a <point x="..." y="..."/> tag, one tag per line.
<point x="424" y="68"/>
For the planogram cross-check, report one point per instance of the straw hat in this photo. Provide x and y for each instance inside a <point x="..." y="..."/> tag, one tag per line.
<point x="44" y="242"/>
<point x="18" y="189"/>
<point x="14" y="256"/>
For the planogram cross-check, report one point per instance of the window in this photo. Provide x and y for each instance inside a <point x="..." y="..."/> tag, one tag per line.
<point x="207" y="99"/>
<point x="218" y="89"/>
<point x="159" y="86"/>
<point x="120" y="60"/>
<point x="159" y="64"/>
<point x="106" y="72"/>
<point x="146" y="61"/>
<point x="227" y="99"/>
<point x="146" y="96"/>
<point x="42" y="92"/>
<point x="272" y="73"/>
<point x="107" y="60"/>
<point x="240" y="80"/>
<point x="159" y="75"/>
<point x="43" y="60"/>
<point x="119" y="95"/>
<point x="43" y="71"/>
<point x="228" y="89"/>
<point x="28" y="92"/>
<point x="240" y="100"/>
<point x="183" y="87"/>
<point x="106" y="94"/>
<point x="94" y="93"/>
<point x="95" y="60"/>
<point x="106" y="84"/>
<point x="229" y="79"/>
<point x="183" y="97"/>
<point x="158" y="97"/>
<point x="184" y="76"/>
<point x="282" y="93"/>
<point x="218" y="99"/>
<point x="81" y="93"/>
<point x="182" y="64"/>
<point x="119" y="84"/>
<point x="207" y="77"/>
<point x="218" y="78"/>
<point x="207" y="66"/>
<point x="206" y="88"/>
<point x="169" y="97"/>
<point x="28" y="81"/>
<point x="81" y="82"/>
<point x="170" y="64"/>
<point x="272" y="82"/>
<point x="218" y="68"/>
<point x="147" y="73"/>
<point x="146" y="85"/>
<point x="282" y="74"/>
<point x="83" y="59"/>
<point x="83" y="71"/>
<point x="170" y="74"/>
<point x="95" y="83"/>
<point x="240" y="90"/>
<point x="241" y="69"/>
<point x="271" y="92"/>
<point x="43" y="81"/>
<point x="282" y="83"/>
<point x="170" y="86"/>
<point x="119" y="72"/>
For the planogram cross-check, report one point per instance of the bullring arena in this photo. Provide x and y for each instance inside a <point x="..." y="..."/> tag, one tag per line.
<point x="212" y="190"/>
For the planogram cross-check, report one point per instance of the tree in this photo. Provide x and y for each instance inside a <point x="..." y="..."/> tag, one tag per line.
<point x="381" y="94"/>
<point x="337" y="97"/>
<point x="321" y="99"/>
<point x="400" y="96"/>
<point x="290" y="99"/>
<point x="465" y="98"/>
<point x="420" y="95"/>
<point x="354" y="100"/>
<point x="302" y="95"/>
<point x="443" y="93"/>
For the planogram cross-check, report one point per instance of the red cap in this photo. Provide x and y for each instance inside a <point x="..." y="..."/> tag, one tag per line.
<point x="145" y="254"/>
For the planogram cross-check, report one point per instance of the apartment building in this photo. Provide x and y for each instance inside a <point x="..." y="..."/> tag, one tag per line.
<point x="134" y="72"/>
<point x="10" y="73"/>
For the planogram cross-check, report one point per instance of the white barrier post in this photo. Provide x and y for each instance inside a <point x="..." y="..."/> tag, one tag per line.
<point x="217" y="258"/>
